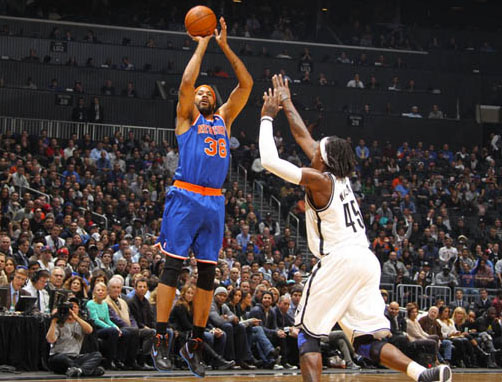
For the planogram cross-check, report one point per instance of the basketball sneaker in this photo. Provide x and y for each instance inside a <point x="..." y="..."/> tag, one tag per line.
<point x="160" y="353"/>
<point x="191" y="353"/>
<point x="441" y="373"/>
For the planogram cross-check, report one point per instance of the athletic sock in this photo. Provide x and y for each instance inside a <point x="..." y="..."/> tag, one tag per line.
<point x="414" y="370"/>
<point x="161" y="328"/>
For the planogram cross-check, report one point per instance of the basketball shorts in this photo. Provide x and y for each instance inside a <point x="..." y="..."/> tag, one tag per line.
<point x="192" y="220"/>
<point x="344" y="288"/>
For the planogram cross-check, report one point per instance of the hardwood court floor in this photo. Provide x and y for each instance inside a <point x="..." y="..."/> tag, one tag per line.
<point x="331" y="376"/>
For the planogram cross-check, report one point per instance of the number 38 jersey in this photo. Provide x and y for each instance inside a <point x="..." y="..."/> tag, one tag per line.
<point x="203" y="153"/>
<point x="338" y="224"/>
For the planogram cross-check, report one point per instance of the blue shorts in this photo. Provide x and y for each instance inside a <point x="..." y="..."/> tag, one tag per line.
<point x="192" y="220"/>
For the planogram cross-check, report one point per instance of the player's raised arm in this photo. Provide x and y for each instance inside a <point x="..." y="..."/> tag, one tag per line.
<point x="186" y="95"/>
<point x="239" y="96"/>
<point x="298" y="128"/>
<point x="270" y="158"/>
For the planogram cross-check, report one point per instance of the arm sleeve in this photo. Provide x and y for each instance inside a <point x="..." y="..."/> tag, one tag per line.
<point x="270" y="158"/>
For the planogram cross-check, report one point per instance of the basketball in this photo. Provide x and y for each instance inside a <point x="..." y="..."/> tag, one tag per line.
<point x="200" y="21"/>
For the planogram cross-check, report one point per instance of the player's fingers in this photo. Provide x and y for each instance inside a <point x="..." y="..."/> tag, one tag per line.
<point x="281" y="80"/>
<point x="274" y="81"/>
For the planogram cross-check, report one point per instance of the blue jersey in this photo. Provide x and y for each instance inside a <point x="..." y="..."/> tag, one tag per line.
<point x="203" y="153"/>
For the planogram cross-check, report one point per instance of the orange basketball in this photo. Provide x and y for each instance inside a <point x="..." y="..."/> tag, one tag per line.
<point x="200" y="21"/>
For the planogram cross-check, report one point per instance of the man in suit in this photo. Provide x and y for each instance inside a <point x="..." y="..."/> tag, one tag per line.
<point x="15" y="287"/>
<point x="459" y="301"/>
<point x="36" y="288"/>
<point x="285" y="323"/>
<point x="483" y="302"/>
<point x="397" y="328"/>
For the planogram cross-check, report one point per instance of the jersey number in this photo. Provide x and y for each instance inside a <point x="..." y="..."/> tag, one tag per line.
<point x="348" y="211"/>
<point x="215" y="147"/>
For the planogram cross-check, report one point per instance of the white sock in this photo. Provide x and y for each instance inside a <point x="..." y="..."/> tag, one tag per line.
<point x="414" y="370"/>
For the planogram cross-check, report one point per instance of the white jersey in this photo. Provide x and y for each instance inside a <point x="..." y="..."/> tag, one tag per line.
<point x="338" y="224"/>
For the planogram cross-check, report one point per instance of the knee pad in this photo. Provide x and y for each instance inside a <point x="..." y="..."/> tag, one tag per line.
<point x="205" y="280"/>
<point x="368" y="347"/>
<point x="308" y="344"/>
<point x="172" y="268"/>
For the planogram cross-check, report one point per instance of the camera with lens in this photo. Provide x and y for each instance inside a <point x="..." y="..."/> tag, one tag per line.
<point x="63" y="311"/>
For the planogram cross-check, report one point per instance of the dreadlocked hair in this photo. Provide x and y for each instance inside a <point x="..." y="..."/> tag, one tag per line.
<point x="341" y="157"/>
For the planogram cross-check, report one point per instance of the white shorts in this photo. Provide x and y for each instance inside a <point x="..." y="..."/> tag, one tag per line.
<point x="344" y="288"/>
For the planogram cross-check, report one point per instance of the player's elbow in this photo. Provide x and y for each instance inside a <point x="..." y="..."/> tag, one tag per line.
<point x="266" y="162"/>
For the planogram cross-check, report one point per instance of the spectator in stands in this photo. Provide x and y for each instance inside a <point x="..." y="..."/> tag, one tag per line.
<point x="343" y="58"/>
<point x="355" y="82"/>
<point x="95" y="111"/>
<point x="460" y="342"/>
<point x="106" y="329"/>
<point x="19" y="278"/>
<point x="80" y="112"/>
<point x="78" y="87"/>
<point x="483" y="275"/>
<point x="421" y="341"/>
<point x="30" y="84"/>
<point x="3" y="277"/>
<point x="268" y="321"/>
<point x="129" y="342"/>
<point x="130" y="91"/>
<point x="446" y="278"/>
<point x="67" y="338"/>
<point x="362" y="151"/>
<point x="221" y="317"/>
<point x="397" y="328"/>
<point x="32" y="56"/>
<point x="54" y="86"/>
<point x="431" y="326"/>
<point x="436" y="113"/>
<point x="482" y="302"/>
<point x="36" y="288"/>
<point x="108" y="89"/>
<point x="126" y="64"/>
<point x="392" y="267"/>
<point x="91" y="37"/>
<point x="394" y="85"/>
<point x="413" y="113"/>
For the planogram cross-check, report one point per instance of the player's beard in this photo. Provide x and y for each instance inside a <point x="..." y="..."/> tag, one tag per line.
<point x="206" y="110"/>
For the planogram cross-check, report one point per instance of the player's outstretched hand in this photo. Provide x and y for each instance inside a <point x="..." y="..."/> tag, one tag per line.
<point x="221" y="36"/>
<point x="282" y="87"/>
<point x="201" y="39"/>
<point x="271" y="104"/>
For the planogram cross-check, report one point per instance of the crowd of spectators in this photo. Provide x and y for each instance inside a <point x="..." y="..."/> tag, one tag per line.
<point x="432" y="218"/>
<point x="354" y="24"/>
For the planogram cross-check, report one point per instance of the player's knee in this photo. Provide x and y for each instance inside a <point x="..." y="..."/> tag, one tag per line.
<point x="205" y="279"/>
<point x="369" y="347"/>
<point x="172" y="268"/>
<point x="308" y="344"/>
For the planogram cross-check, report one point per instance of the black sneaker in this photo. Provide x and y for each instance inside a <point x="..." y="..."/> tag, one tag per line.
<point x="441" y="373"/>
<point x="73" y="372"/>
<point x="160" y="353"/>
<point x="191" y="353"/>
<point x="98" y="372"/>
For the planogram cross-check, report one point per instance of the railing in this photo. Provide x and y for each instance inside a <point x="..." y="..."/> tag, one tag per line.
<point x="410" y="293"/>
<point x="258" y="187"/>
<point x="293" y="217"/>
<point x="68" y="129"/>
<point x="273" y="200"/>
<point x="22" y="189"/>
<point x="438" y="292"/>
<point x="95" y="214"/>
<point x="245" y="172"/>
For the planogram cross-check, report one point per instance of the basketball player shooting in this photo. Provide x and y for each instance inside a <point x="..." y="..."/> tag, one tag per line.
<point x="344" y="284"/>
<point x="195" y="208"/>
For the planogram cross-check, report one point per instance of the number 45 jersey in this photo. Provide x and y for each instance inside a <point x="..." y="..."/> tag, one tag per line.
<point x="338" y="224"/>
<point x="203" y="153"/>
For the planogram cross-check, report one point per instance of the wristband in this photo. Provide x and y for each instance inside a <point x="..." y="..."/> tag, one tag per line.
<point x="267" y="118"/>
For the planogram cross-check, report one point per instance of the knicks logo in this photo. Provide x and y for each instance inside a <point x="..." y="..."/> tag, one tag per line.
<point x="215" y="147"/>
